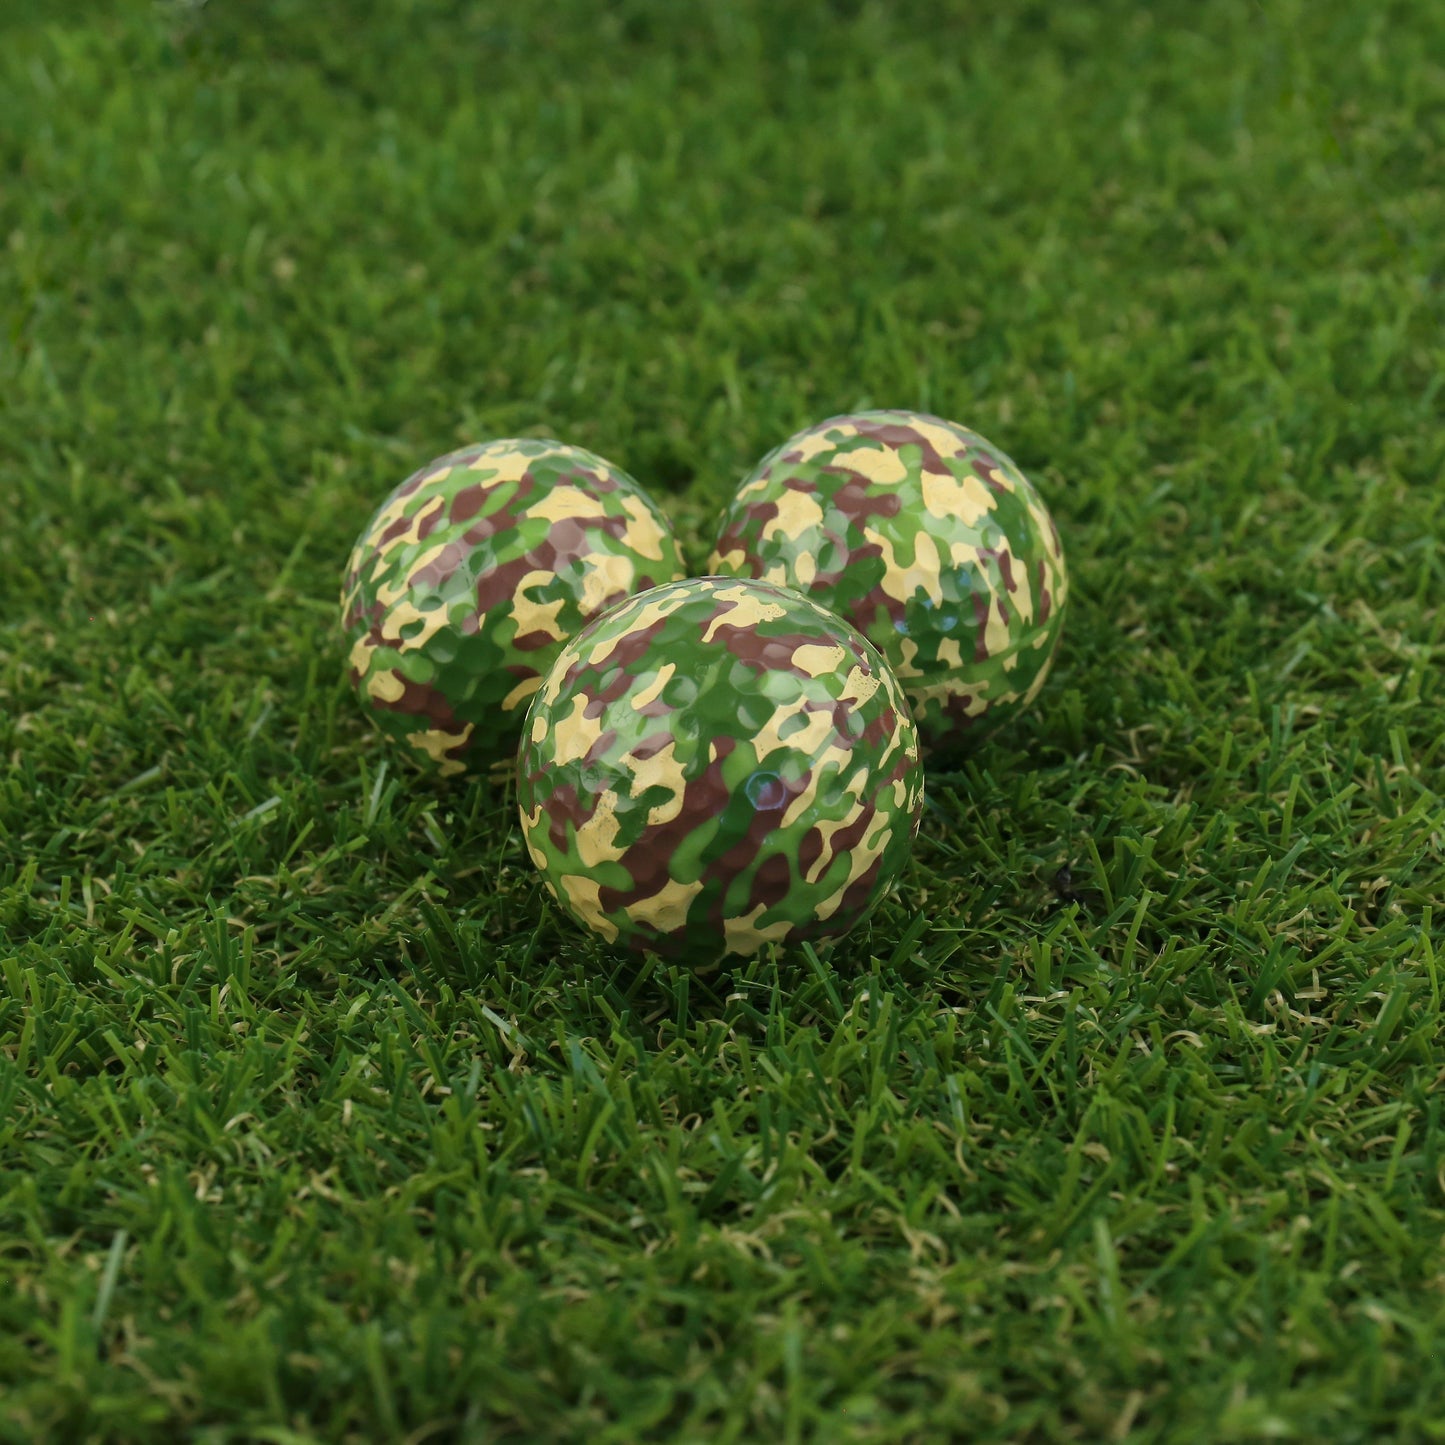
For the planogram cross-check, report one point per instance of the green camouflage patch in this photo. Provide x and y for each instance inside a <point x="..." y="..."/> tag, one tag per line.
<point x="462" y="589"/>
<point x="927" y="539"/>
<point x="715" y="764"/>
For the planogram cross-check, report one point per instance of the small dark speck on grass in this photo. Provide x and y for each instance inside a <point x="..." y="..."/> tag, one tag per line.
<point x="1068" y="889"/>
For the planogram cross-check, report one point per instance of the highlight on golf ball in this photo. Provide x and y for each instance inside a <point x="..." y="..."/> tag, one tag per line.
<point x="465" y="584"/>
<point x="929" y="540"/>
<point x="715" y="764"/>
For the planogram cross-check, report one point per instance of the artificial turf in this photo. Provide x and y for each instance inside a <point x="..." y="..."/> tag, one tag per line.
<point x="319" y="1123"/>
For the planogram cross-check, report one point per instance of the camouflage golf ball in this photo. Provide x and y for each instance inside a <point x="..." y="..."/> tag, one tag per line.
<point x="929" y="540"/>
<point x="472" y="574"/>
<point x="715" y="764"/>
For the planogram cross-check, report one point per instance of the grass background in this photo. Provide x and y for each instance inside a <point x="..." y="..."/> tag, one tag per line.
<point x="317" y="1123"/>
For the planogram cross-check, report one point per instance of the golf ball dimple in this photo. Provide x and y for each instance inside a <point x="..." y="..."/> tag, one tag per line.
<point x="930" y="541"/>
<point x="689" y="807"/>
<point x="470" y="577"/>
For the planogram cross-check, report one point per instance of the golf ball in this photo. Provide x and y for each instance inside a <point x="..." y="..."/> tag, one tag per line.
<point x="715" y="764"/>
<point x="929" y="540"/>
<point x="465" y="584"/>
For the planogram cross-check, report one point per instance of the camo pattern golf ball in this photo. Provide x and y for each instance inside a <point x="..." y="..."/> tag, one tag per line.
<point x="462" y="589"/>
<point x="929" y="540"/>
<point x="716" y="764"/>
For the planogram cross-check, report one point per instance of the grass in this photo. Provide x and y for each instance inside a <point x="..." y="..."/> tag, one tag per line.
<point x="317" y="1122"/>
